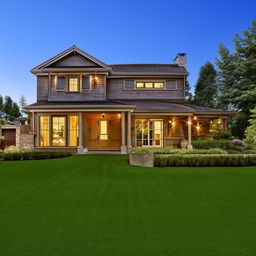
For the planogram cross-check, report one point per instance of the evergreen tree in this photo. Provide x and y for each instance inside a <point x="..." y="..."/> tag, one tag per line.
<point x="1" y="106"/>
<point x="8" y="105"/>
<point x="237" y="77"/>
<point x="22" y="102"/>
<point x="15" y="113"/>
<point x="206" y="86"/>
<point x="188" y="94"/>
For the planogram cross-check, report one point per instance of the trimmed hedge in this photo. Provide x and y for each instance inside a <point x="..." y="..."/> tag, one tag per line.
<point x="204" y="160"/>
<point x="32" y="155"/>
<point x="171" y="150"/>
<point x="223" y="144"/>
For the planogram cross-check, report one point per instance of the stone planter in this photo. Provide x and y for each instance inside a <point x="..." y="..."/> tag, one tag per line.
<point x="141" y="159"/>
<point x="184" y="144"/>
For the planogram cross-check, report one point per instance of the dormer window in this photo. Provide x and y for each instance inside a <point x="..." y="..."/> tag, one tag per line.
<point x="73" y="84"/>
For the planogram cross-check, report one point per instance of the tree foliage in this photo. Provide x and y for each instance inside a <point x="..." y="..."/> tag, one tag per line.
<point x="206" y="86"/>
<point x="22" y="101"/>
<point x="237" y="77"/>
<point x="188" y="94"/>
<point x="11" y="109"/>
<point x="250" y="131"/>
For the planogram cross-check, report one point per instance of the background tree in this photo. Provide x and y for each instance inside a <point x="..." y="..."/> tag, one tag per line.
<point x="188" y="94"/>
<point x="1" y="106"/>
<point x="206" y="86"/>
<point x="15" y="112"/>
<point x="237" y="78"/>
<point x="8" y="105"/>
<point x="250" y="131"/>
<point x="22" y="102"/>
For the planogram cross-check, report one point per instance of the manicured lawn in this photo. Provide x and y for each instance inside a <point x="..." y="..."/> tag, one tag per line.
<point x="98" y="205"/>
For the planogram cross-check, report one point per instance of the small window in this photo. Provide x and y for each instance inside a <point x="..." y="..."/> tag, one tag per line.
<point x="73" y="84"/>
<point x="150" y="85"/>
<point x="103" y="130"/>
<point x="159" y="85"/>
<point x="139" y="85"/>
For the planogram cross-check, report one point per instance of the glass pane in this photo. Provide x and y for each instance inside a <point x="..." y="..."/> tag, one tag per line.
<point x="73" y="131"/>
<point x="157" y="132"/>
<point x="158" y="85"/>
<point x="149" y="85"/>
<point x="103" y="136"/>
<point x="103" y="127"/>
<point x="139" y="85"/>
<point x="73" y="84"/>
<point x="44" y="131"/>
<point x="59" y="131"/>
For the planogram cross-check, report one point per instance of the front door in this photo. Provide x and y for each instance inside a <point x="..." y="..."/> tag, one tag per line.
<point x="9" y="138"/>
<point x="103" y="133"/>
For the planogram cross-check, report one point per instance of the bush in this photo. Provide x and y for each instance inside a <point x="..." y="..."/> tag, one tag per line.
<point x="237" y="142"/>
<point x="220" y="135"/>
<point x="223" y="144"/>
<point x="204" y="160"/>
<point x="32" y="155"/>
<point x="171" y="150"/>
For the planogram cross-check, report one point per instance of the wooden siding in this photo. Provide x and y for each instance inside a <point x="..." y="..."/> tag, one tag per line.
<point x="42" y="88"/>
<point x="74" y="60"/>
<point x="116" y="90"/>
<point x="97" y="92"/>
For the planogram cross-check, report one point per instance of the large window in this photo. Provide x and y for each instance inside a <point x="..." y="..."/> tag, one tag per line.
<point x="73" y="131"/>
<point x="73" y="84"/>
<point x="149" y="133"/>
<point x="149" y="85"/>
<point x="59" y="131"/>
<point x="44" y="127"/>
<point x="103" y="129"/>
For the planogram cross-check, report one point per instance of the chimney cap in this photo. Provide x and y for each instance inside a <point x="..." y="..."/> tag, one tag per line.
<point x="181" y="54"/>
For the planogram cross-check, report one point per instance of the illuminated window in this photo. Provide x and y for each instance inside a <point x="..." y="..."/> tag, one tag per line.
<point x="158" y="85"/>
<point x="149" y="133"/>
<point x="44" y="131"/>
<point x="73" y="131"/>
<point x="59" y="131"/>
<point x="149" y="85"/>
<point x="73" y="84"/>
<point x="139" y="85"/>
<point x="103" y="130"/>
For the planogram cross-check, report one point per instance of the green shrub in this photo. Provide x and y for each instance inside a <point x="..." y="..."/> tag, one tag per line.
<point x="32" y="155"/>
<point x="220" y="135"/>
<point x="204" y="160"/>
<point x="171" y="150"/>
<point x="223" y="144"/>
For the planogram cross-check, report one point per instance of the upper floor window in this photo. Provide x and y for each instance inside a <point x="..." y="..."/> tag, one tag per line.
<point x="73" y="84"/>
<point x="149" y="85"/>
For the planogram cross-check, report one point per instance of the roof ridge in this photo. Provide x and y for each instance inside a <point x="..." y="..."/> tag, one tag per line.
<point x="162" y="64"/>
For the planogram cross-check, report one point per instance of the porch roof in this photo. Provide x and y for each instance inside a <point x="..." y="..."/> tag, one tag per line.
<point x="156" y="106"/>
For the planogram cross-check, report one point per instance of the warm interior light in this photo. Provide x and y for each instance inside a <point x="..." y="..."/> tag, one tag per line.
<point x="198" y="127"/>
<point x="189" y="122"/>
<point x="119" y="115"/>
<point x="195" y="117"/>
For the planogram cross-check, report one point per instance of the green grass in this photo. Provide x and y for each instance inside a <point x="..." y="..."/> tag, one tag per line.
<point x="98" y="205"/>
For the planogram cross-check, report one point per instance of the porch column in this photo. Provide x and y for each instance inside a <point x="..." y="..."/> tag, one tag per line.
<point x="123" y="146"/>
<point x="37" y="130"/>
<point x="129" y="131"/>
<point x="189" y="133"/>
<point x="80" y="134"/>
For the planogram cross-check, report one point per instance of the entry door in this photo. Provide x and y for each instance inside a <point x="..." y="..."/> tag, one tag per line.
<point x="103" y="133"/>
<point x="9" y="138"/>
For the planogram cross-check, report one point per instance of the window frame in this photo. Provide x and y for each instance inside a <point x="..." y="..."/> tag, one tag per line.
<point x="66" y="130"/>
<point x="78" y="84"/>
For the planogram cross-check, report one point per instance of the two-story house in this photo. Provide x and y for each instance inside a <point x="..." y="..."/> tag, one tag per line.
<point x="84" y="104"/>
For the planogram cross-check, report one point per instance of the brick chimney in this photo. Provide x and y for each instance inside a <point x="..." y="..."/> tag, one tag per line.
<point x="181" y="59"/>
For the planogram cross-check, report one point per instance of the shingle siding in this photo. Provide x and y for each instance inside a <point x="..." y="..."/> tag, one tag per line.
<point x="42" y="88"/>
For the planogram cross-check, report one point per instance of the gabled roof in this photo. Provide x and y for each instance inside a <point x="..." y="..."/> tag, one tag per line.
<point x="72" y="49"/>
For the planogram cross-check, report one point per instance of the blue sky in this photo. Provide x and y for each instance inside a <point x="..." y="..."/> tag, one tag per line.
<point x="115" y="32"/>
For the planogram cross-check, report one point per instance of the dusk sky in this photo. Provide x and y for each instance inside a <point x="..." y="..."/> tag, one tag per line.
<point x="114" y="32"/>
